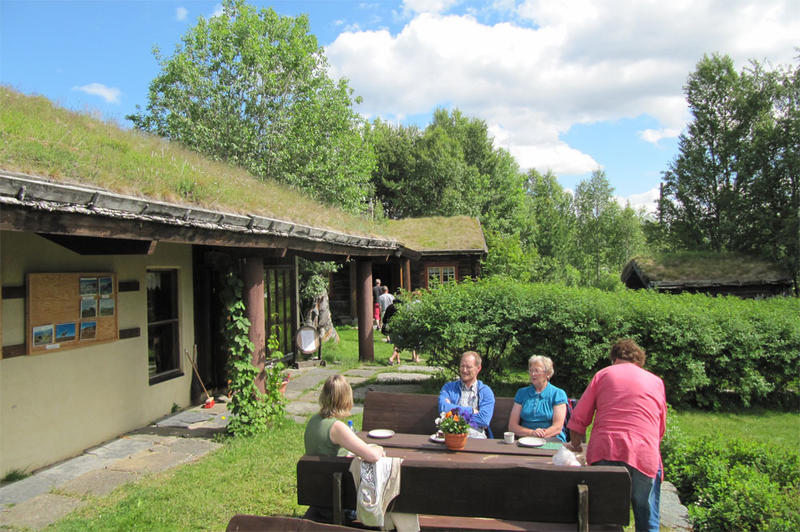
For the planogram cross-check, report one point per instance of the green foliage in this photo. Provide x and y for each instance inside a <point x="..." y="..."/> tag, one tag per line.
<point x="710" y="352"/>
<point x="253" y="411"/>
<point x="251" y="87"/>
<point x="733" y="185"/>
<point x="734" y="484"/>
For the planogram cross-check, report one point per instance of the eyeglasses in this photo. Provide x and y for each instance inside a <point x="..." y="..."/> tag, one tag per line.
<point x="537" y="371"/>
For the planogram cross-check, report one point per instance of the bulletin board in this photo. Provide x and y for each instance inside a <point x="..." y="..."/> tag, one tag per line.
<point x="68" y="310"/>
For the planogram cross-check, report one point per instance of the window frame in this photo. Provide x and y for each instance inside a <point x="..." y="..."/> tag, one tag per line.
<point x="440" y="266"/>
<point x="174" y="321"/>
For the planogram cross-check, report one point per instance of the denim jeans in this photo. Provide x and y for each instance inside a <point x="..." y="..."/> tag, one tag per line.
<point x="645" y="497"/>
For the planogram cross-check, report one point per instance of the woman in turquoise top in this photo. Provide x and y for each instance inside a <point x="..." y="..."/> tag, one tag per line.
<point x="539" y="409"/>
<point x="327" y="436"/>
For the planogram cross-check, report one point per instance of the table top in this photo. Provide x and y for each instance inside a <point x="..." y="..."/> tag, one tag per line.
<point x="420" y="447"/>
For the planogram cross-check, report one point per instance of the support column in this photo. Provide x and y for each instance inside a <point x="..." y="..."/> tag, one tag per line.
<point x="407" y="274"/>
<point x="253" y="295"/>
<point x="366" y="347"/>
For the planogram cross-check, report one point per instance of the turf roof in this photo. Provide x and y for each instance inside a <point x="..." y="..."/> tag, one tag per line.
<point x="713" y="267"/>
<point x="439" y="233"/>
<point x="41" y="139"/>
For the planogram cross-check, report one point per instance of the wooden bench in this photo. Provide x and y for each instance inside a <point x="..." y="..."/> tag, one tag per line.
<point x="413" y="413"/>
<point x="259" y="523"/>
<point x="544" y="496"/>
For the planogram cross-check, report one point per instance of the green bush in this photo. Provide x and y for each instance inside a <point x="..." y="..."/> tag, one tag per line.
<point x="710" y="351"/>
<point x="734" y="485"/>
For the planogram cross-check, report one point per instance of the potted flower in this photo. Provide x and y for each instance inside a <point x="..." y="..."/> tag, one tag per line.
<point x="455" y="426"/>
<point x="284" y="384"/>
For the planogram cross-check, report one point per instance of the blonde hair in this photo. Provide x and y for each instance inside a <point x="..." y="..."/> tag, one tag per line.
<point x="336" y="398"/>
<point x="475" y="357"/>
<point x="547" y="362"/>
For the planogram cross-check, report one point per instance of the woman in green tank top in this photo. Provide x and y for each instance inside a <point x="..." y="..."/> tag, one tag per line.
<point x="327" y="436"/>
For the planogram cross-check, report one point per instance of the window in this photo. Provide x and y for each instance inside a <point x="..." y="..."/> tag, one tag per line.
<point x="278" y="304"/>
<point x="163" y="345"/>
<point x="441" y="274"/>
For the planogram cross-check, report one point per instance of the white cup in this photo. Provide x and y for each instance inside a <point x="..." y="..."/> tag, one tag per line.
<point x="508" y="437"/>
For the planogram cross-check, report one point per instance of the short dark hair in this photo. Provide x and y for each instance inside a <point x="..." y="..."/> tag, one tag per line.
<point x="626" y="349"/>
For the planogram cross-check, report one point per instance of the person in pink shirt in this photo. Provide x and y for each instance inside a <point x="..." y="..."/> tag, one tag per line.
<point x="629" y="408"/>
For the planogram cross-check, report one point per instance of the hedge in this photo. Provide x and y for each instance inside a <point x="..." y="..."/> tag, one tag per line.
<point x="734" y="485"/>
<point x="710" y="351"/>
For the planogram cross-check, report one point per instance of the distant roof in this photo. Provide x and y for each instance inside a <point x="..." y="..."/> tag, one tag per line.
<point x="440" y="234"/>
<point x="703" y="269"/>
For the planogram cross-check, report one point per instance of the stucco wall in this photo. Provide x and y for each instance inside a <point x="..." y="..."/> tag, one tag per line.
<point x="55" y="405"/>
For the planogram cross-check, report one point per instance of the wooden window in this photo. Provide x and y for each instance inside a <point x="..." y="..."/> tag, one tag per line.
<point x="278" y="304"/>
<point x="440" y="273"/>
<point x="163" y="326"/>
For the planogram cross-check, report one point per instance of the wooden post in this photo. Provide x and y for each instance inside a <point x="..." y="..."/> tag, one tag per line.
<point x="583" y="508"/>
<point x="253" y="295"/>
<point x="366" y="348"/>
<point x="407" y="274"/>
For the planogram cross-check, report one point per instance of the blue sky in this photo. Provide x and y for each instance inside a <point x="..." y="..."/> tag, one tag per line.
<point x="565" y="85"/>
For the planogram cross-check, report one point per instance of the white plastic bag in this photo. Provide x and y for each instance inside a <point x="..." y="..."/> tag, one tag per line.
<point x="565" y="457"/>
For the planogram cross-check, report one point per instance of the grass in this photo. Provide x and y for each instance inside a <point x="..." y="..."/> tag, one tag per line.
<point x="695" y="265"/>
<point x="258" y="476"/>
<point x="439" y="233"/>
<point x="43" y="139"/>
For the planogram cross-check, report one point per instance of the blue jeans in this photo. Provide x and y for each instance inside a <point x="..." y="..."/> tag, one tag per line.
<point x="645" y="497"/>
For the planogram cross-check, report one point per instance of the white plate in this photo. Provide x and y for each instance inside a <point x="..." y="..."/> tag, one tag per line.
<point x="437" y="439"/>
<point x="380" y="433"/>
<point x="530" y="441"/>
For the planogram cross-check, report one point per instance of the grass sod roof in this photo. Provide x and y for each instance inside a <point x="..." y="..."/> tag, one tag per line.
<point x="696" y="268"/>
<point x="67" y="147"/>
<point x="440" y="233"/>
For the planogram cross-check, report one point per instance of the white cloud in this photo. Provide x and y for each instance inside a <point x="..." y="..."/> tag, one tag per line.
<point x="646" y="200"/>
<point x="427" y="6"/>
<point x="109" y="94"/>
<point x="564" y="63"/>
<point x="654" y="135"/>
<point x="180" y="13"/>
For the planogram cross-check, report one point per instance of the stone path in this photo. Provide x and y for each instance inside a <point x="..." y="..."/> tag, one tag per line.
<point x="51" y="493"/>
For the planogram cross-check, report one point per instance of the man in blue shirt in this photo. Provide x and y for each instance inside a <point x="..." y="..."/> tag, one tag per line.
<point x="470" y="395"/>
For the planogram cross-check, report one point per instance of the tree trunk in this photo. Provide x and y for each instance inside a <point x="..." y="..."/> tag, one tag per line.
<point x="319" y="317"/>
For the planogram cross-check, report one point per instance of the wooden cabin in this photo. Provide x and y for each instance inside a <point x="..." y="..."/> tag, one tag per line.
<point x="708" y="273"/>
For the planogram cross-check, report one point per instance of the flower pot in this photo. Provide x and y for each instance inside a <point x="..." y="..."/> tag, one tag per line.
<point x="455" y="442"/>
<point x="282" y="389"/>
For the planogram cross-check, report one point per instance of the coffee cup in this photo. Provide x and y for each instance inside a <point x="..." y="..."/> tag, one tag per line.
<point x="508" y="437"/>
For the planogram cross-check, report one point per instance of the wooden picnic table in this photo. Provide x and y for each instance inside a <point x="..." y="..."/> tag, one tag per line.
<point x="421" y="447"/>
<point x="490" y="478"/>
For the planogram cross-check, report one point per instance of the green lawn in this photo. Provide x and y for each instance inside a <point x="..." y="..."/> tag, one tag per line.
<point x="257" y="475"/>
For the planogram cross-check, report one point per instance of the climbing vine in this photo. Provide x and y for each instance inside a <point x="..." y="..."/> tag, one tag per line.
<point x="252" y="411"/>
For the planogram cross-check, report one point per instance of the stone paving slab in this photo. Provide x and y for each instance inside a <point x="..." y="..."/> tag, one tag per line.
<point x="194" y="447"/>
<point x="73" y="468"/>
<point x="38" y="512"/>
<point x="311" y="396"/>
<point x="155" y="460"/>
<point x="298" y="408"/>
<point x="354" y="380"/>
<point x="120" y="448"/>
<point x="184" y="419"/>
<point x="98" y="483"/>
<point x="402" y="377"/>
<point x="362" y="372"/>
<point x="25" y="489"/>
<point x="418" y="368"/>
<point x="673" y="514"/>
<point x="360" y="392"/>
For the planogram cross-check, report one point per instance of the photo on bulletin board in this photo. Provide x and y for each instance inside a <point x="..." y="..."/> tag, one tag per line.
<point x="106" y="307"/>
<point x="106" y="286"/>
<point x="88" y="307"/>
<point x="88" y="286"/>
<point x="43" y="335"/>
<point x="88" y="330"/>
<point x="65" y="332"/>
